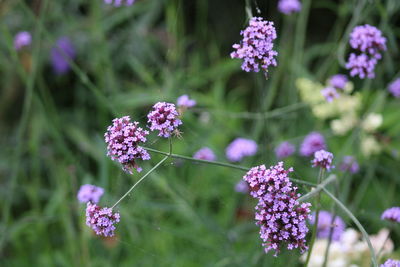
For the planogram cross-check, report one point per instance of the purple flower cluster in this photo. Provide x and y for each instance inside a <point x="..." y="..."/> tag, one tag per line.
<point x="61" y="53"/>
<point x="205" y="153"/>
<point x="185" y="102"/>
<point x="119" y="2"/>
<point x="391" y="263"/>
<point x="288" y="7"/>
<point x="369" y="41"/>
<point x="123" y="138"/>
<point x="349" y="164"/>
<point x="90" y="193"/>
<point x="313" y="142"/>
<point x="394" y="88"/>
<point x="323" y="159"/>
<point x="22" y="39"/>
<point x="325" y="225"/>
<point x="164" y="118"/>
<point x="392" y="214"/>
<point x="284" y="150"/>
<point x="282" y="219"/>
<point x="256" y="48"/>
<point x="338" y="81"/>
<point x="240" y="148"/>
<point x="329" y="93"/>
<point x="101" y="220"/>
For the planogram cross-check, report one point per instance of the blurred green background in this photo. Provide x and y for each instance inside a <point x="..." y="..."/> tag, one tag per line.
<point x="128" y="58"/>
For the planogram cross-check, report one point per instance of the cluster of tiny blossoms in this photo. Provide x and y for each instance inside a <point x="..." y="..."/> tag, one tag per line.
<point x="90" y="193"/>
<point x="323" y="159"/>
<point x="313" y="142"/>
<point x="368" y="40"/>
<point x="205" y="153"/>
<point x="22" y="39"/>
<point x="282" y="219"/>
<point x="240" y="148"/>
<point x="394" y="88"/>
<point x="164" y="118"/>
<point x="392" y="214"/>
<point x="284" y="150"/>
<point x="256" y="47"/>
<point x="391" y="263"/>
<point x="123" y="138"/>
<point x="288" y="7"/>
<point x="119" y="2"/>
<point x="101" y="220"/>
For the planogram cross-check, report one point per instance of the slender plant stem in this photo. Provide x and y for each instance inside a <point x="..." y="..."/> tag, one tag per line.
<point x="217" y="163"/>
<point x="317" y="189"/>
<point x="248" y="10"/>
<point x="317" y="207"/>
<point x="357" y="223"/>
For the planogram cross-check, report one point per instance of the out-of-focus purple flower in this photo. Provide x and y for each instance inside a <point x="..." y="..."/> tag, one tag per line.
<point x="256" y="48"/>
<point x="394" y="88"/>
<point x="312" y="143"/>
<point x="90" y="193"/>
<point x="349" y="164"/>
<point x="338" y="81"/>
<point x="242" y="187"/>
<point x="325" y="225"/>
<point x="288" y="7"/>
<point x="323" y="159"/>
<point x="361" y="65"/>
<point x="392" y="214"/>
<point x="368" y="39"/>
<point x="282" y="219"/>
<point x="101" y="220"/>
<point x="284" y="150"/>
<point x="22" y="39"/>
<point x="119" y="2"/>
<point x="391" y="263"/>
<point x="61" y="53"/>
<point x="329" y="93"/>
<point x="123" y="138"/>
<point x="240" y="148"/>
<point x="205" y="153"/>
<point x="164" y="118"/>
<point x="185" y="101"/>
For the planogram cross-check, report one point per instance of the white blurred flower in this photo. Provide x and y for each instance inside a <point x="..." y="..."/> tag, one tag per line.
<point x="344" y="124"/>
<point x="369" y="146"/>
<point x="372" y="122"/>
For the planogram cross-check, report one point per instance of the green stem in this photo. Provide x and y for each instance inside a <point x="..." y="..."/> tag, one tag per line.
<point x="357" y="223"/>
<point x="217" y="163"/>
<point x="318" y="189"/>
<point x="317" y="207"/>
<point x="248" y="10"/>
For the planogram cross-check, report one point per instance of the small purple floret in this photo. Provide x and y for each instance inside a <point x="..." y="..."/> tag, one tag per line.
<point x="394" y="88"/>
<point x="164" y="118"/>
<point x="288" y="7"/>
<point x="119" y="2"/>
<point x="22" y="39"/>
<point x="284" y="150"/>
<point x="392" y="214"/>
<point x="368" y="39"/>
<point x="329" y="93"/>
<point x="312" y="143"/>
<point x="240" y="148"/>
<point x="361" y="65"/>
<point x="338" y="81"/>
<point x="61" y="53"/>
<point x="205" y="153"/>
<point x="101" y="220"/>
<point x="323" y="159"/>
<point x="185" y="101"/>
<point x="123" y="138"/>
<point x="256" y="48"/>
<point x="391" y="263"/>
<point x="90" y="193"/>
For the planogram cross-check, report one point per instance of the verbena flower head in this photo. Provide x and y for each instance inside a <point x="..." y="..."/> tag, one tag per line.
<point x="323" y="159"/>
<point x="329" y="93"/>
<point x="325" y="225"/>
<point x="349" y="164"/>
<point x="205" y="153"/>
<point x="164" y="118"/>
<point x="101" y="220"/>
<point x="185" y="102"/>
<point x="120" y="2"/>
<point x="361" y="65"/>
<point x="391" y="263"/>
<point x="282" y="219"/>
<point x="284" y="150"/>
<point x="22" y="39"/>
<point x="368" y="39"/>
<point x="312" y="143"/>
<point x="123" y="138"/>
<point x="288" y="7"/>
<point x="62" y="51"/>
<point x="242" y="187"/>
<point x="256" y="48"/>
<point x="394" y="88"/>
<point x="90" y="193"/>
<point x="392" y="214"/>
<point x="338" y="81"/>
<point x="240" y="148"/>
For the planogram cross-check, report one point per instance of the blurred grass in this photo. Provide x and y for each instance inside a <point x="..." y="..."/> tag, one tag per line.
<point x="184" y="214"/>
